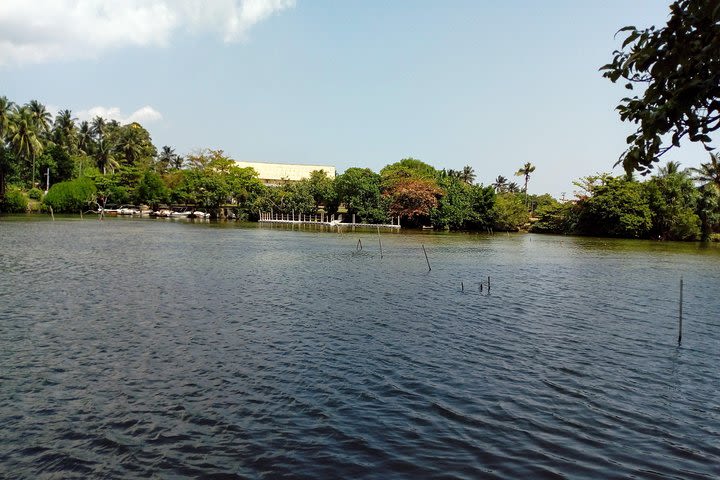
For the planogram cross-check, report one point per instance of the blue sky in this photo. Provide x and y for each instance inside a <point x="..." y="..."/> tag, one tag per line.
<point x="348" y="83"/>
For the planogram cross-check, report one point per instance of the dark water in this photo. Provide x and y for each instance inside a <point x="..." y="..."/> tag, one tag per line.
<point x="142" y="348"/>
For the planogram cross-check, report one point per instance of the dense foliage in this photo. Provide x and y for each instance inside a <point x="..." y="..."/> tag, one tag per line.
<point x="101" y="162"/>
<point x="678" y="69"/>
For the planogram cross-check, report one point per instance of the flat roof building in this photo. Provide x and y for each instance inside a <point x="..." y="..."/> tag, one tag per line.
<point x="281" y="173"/>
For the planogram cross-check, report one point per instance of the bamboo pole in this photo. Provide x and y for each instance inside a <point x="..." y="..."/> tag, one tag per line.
<point x="380" y="242"/>
<point x="426" y="258"/>
<point x="680" y="312"/>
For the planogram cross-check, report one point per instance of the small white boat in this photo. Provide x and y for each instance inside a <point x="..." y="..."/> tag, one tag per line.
<point x="180" y="214"/>
<point x="199" y="214"/>
<point x="164" y="212"/>
<point x="128" y="210"/>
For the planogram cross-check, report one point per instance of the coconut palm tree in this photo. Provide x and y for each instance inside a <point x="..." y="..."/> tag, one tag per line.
<point x="500" y="184"/>
<point x="6" y="109"/>
<point x="98" y="127"/>
<point x="525" y="171"/>
<point x="41" y="117"/>
<point x="105" y="156"/>
<point x="23" y="137"/>
<point x="64" y="132"/>
<point x="709" y="173"/>
<point x="467" y="175"/>
<point x="512" y="187"/>
<point x="166" y="158"/>
<point x="85" y="137"/>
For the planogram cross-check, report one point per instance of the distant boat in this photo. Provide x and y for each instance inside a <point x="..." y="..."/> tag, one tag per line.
<point x="199" y="214"/>
<point x="425" y="227"/>
<point x="128" y="210"/>
<point x="183" y="214"/>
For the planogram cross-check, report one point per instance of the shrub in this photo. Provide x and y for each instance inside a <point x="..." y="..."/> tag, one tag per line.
<point x="70" y="196"/>
<point x="14" y="201"/>
<point x="35" y="193"/>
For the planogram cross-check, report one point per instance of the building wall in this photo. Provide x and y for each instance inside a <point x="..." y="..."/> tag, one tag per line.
<point x="279" y="173"/>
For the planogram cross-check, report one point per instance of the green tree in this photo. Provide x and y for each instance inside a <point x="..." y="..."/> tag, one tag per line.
<point x="468" y="174"/>
<point x="709" y="173"/>
<point x="6" y="111"/>
<point x="407" y="168"/>
<point x="322" y="189"/>
<point x="359" y="190"/>
<point x="462" y="206"/>
<point x="64" y="132"/>
<point x="42" y="119"/>
<point x="23" y="137"/>
<point x="617" y="208"/>
<point x="672" y="198"/>
<point x="678" y="67"/>
<point x="509" y="212"/>
<point x="152" y="190"/>
<point x="71" y="196"/>
<point x="85" y="138"/>
<point x="500" y="184"/>
<point x="525" y="172"/>
<point x="59" y="162"/>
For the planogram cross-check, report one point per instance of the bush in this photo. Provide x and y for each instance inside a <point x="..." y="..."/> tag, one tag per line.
<point x="70" y="196"/>
<point x="35" y="193"/>
<point x="14" y="201"/>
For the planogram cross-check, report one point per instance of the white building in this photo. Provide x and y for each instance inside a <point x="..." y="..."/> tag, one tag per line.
<point x="281" y="173"/>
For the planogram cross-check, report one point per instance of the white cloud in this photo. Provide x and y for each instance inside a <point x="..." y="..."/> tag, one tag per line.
<point x="143" y="115"/>
<point x="42" y="30"/>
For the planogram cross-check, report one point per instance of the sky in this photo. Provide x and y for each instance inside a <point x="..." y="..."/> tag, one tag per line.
<point x="352" y="83"/>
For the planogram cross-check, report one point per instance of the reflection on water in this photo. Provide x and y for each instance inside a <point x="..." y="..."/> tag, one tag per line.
<point x="132" y="348"/>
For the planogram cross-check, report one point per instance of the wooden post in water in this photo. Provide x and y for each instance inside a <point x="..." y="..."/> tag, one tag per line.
<point x="380" y="242"/>
<point x="359" y="245"/>
<point x="462" y="287"/>
<point x="426" y="258"/>
<point x="680" y="319"/>
<point x="488" y="284"/>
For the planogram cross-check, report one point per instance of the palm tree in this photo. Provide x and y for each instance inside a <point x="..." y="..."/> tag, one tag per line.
<point x="525" y="171"/>
<point x="23" y="136"/>
<point x="41" y="116"/>
<point x="467" y="175"/>
<point x="709" y="173"/>
<point x="98" y="127"/>
<point x="670" y="168"/>
<point x="512" y="187"/>
<point x="105" y="156"/>
<point x="64" y="132"/>
<point x="166" y="158"/>
<point x="500" y="184"/>
<point x="6" y="109"/>
<point x="85" y="137"/>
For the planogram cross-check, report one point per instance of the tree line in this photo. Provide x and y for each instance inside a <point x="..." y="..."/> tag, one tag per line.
<point x="99" y="162"/>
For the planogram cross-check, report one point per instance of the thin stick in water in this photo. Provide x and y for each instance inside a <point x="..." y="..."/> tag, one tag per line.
<point x="680" y="319"/>
<point x="426" y="258"/>
<point x="359" y="245"/>
<point x="462" y="287"/>
<point x="488" y="284"/>
<point x="380" y="242"/>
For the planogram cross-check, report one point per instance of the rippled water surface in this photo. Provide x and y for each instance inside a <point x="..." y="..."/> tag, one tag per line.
<point x="141" y="348"/>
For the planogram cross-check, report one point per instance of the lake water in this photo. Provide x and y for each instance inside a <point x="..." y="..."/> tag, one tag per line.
<point x="169" y="349"/>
